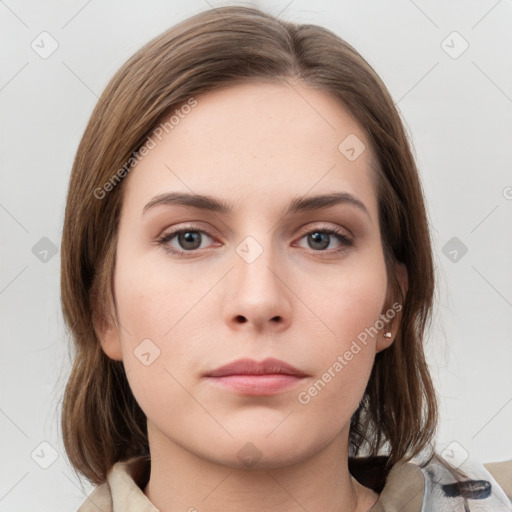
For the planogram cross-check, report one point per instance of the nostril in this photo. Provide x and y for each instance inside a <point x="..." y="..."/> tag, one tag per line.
<point x="241" y="319"/>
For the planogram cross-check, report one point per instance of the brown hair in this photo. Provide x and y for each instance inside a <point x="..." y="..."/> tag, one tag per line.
<point x="101" y="421"/>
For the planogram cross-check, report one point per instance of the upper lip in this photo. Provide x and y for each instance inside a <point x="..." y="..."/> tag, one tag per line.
<point x="251" y="367"/>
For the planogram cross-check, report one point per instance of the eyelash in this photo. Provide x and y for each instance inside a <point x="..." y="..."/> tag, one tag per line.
<point x="345" y="240"/>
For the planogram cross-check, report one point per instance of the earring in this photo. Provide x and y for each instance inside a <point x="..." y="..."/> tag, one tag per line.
<point x="387" y="335"/>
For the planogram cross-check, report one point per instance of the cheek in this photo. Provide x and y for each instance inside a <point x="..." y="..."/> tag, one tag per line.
<point x="163" y="317"/>
<point x="154" y="311"/>
<point x="350" y="300"/>
<point x="152" y="300"/>
<point x="349" y="305"/>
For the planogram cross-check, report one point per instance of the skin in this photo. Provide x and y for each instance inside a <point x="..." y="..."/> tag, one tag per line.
<point x="254" y="146"/>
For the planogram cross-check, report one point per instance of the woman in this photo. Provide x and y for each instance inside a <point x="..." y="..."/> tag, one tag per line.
<point x="247" y="275"/>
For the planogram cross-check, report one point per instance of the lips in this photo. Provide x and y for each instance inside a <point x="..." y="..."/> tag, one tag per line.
<point x="268" y="366"/>
<point x="252" y="378"/>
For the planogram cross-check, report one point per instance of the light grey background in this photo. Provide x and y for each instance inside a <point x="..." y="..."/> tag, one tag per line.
<point x="457" y="110"/>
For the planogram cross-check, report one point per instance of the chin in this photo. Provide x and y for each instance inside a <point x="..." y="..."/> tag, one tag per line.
<point x="258" y="450"/>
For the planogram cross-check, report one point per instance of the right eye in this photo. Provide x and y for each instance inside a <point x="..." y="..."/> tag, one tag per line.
<point x="188" y="240"/>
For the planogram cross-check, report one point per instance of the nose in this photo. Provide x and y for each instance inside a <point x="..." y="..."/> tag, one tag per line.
<point x="258" y="297"/>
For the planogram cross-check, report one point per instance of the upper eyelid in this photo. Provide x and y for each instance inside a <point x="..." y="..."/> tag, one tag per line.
<point x="192" y="227"/>
<point x="176" y="231"/>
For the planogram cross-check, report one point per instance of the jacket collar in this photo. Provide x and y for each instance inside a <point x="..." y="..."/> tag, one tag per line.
<point x="407" y="487"/>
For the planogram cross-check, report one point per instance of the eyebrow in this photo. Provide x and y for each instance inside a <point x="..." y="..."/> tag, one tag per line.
<point x="296" y="205"/>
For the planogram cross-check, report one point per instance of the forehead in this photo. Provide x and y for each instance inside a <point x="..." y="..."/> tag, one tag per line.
<point x="257" y="143"/>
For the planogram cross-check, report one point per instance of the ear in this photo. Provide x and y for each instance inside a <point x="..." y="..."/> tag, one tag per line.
<point x="395" y="308"/>
<point x="110" y="339"/>
<point x="104" y="315"/>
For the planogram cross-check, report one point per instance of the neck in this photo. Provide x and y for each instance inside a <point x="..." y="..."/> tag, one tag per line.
<point x="184" y="481"/>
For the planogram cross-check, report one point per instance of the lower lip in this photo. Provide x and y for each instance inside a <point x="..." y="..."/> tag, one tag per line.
<point x="267" y="384"/>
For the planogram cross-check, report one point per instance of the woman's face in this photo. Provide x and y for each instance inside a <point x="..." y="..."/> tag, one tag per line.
<point x="273" y="273"/>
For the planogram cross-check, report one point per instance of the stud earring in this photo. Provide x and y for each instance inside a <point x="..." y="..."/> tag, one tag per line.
<point x="387" y="334"/>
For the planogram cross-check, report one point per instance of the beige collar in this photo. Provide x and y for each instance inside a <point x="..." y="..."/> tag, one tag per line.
<point x="407" y="488"/>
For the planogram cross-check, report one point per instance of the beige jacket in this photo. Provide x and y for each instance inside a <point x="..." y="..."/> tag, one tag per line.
<point x="406" y="488"/>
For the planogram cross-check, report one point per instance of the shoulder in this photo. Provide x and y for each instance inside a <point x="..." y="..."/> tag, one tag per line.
<point x="122" y="492"/>
<point x="417" y="486"/>
<point x="479" y="490"/>
<point x="100" y="500"/>
<point x="502" y="473"/>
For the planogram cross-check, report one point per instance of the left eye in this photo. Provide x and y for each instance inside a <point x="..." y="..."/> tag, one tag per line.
<point x="319" y="240"/>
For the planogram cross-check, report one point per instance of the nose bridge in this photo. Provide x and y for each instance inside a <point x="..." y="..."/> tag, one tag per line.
<point x="255" y="265"/>
<point x="258" y="295"/>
